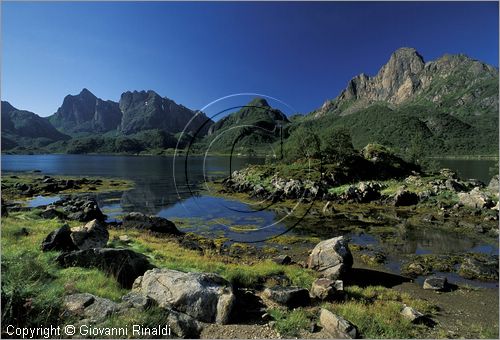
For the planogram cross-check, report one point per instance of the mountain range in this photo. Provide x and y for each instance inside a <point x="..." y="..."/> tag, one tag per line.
<point x="449" y="105"/>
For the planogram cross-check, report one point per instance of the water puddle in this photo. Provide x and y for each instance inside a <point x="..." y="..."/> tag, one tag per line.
<point x="39" y="201"/>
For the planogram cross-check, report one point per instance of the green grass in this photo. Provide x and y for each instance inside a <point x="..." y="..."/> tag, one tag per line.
<point x="290" y="323"/>
<point x="375" y="311"/>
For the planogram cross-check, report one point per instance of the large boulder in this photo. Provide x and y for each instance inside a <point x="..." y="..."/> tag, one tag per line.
<point x="475" y="198"/>
<point x="136" y="220"/>
<point x="332" y="258"/>
<point x="59" y="239"/>
<point x="337" y="326"/>
<point x="124" y="264"/>
<point x="206" y="297"/>
<point x="288" y="296"/>
<point x="94" y="234"/>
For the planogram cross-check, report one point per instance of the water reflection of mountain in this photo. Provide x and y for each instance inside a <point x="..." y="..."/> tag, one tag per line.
<point x="422" y="240"/>
<point x="151" y="197"/>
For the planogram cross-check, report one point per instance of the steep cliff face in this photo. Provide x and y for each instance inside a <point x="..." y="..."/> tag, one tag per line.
<point x="148" y="110"/>
<point x="85" y="113"/>
<point x="454" y="81"/>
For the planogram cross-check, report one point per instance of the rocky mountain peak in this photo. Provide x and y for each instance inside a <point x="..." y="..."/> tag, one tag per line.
<point x="406" y="76"/>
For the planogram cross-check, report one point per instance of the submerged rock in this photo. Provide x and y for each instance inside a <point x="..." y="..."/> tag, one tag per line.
<point x="337" y="326"/>
<point x="331" y="258"/>
<point x="204" y="296"/>
<point x="136" y="220"/>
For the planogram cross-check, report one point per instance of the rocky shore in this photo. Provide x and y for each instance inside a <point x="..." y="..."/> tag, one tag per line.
<point x="154" y="273"/>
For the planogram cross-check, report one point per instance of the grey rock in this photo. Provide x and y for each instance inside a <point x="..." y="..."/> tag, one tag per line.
<point x="331" y="258"/>
<point x="337" y="326"/>
<point x="138" y="301"/>
<point x="88" y="306"/>
<point x="94" y="234"/>
<point x="204" y="296"/>
<point x="183" y="325"/>
<point x="411" y="314"/>
<point x="325" y="289"/>
<point x="291" y="297"/>
<point x="436" y="283"/>
<point x="476" y="198"/>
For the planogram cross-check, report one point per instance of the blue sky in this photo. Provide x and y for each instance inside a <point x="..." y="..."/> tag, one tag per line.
<point x="194" y="53"/>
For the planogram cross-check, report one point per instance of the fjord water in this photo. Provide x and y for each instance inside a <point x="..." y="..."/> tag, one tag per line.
<point x="175" y="189"/>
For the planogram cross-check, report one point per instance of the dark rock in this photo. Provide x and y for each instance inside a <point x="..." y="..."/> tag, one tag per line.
<point x="436" y="283"/>
<point x="59" y="239"/>
<point x="282" y="259"/>
<point x="22" y="232"/>
<point x="291" y="297"/>
<point x="455" y="186"/>
<point x="124" y="264"/>
<point x="85" y="210"/>
<point x="404" y="197"/>
<point x="136" y="220"/>
<point x="51" y="213"/>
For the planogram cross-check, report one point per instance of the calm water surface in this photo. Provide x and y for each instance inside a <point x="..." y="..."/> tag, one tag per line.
<point x="176" y="190"/>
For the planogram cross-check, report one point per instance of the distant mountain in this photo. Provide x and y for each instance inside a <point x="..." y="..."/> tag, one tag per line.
<point x="24" y="128"/>
<point x="447" y="106"/>
<point x="86" y="114"/>
<point x="455" y="82"/>
<point x="147" y="110"/>
<point x="254" y="125"/>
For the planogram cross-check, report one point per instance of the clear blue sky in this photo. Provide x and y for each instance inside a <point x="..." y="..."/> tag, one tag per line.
<point x="194" y="53"/>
